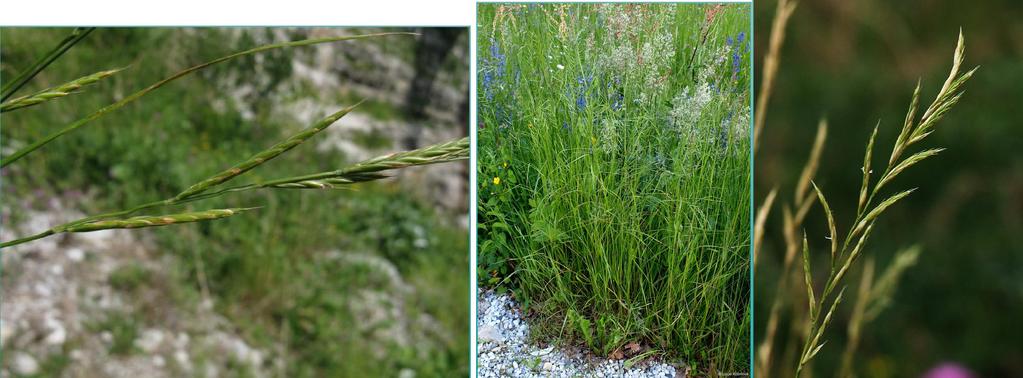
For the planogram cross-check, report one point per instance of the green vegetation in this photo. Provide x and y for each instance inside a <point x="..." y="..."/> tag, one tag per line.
<point x="271" y="271"/>
<point x="614" y="173"/>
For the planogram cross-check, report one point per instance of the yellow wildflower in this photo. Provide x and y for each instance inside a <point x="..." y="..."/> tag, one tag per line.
<point x="497" y="181"/>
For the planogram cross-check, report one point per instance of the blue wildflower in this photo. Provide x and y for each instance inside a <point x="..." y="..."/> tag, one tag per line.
<point x="497" y="58"/>
<point x="728" y="40"/>
<point x="566" y="127"/>
<point x="618" y="102"/>
<point x="740" y="37"/>
<point x="488" y="82"/>
<point x="723" y="132"/>
<point x="736" y="60"/>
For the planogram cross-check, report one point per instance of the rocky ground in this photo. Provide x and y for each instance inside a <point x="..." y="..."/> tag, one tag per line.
<point x="504" y="349"/>
<point x="97" y="305"/>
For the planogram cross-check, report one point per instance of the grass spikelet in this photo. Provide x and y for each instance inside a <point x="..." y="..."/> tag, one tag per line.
<point x="438" y="153"/>
<point x="25" y="76"/>
<point x="157" y="220"/>
<point x="56" y="92"/>
<point x="331" y="183"/>
<point x="264" y="155"/>
<point x="363" y="171"/>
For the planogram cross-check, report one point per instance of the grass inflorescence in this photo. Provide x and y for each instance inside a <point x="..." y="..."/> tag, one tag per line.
<point x="811" y="319"/>
<point x="614" y="174"/>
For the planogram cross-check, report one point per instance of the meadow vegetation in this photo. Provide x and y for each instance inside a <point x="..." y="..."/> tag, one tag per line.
<point x="614" y="168"/>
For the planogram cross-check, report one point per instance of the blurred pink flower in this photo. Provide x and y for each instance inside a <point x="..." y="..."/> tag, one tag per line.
<point x="949" y="370"/>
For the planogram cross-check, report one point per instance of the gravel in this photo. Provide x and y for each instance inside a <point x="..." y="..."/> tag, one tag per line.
<point x="504" y="350"/>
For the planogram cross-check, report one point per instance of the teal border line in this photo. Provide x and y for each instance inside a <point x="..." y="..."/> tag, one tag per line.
<point x="752" y="192"/>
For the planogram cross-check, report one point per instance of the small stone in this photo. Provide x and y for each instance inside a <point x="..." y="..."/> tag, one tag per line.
<point x="150" y="340"/>
<point x="548" y="366"/>
<point x="76" y="254"/>
<point x="23" y="364"/>
<point x="490" y="333"/>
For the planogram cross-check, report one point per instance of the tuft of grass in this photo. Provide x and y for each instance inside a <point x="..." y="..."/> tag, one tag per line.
<point x="129" y="277"/>
<point x="614" y="173"/>
<point x="123" y="329"/>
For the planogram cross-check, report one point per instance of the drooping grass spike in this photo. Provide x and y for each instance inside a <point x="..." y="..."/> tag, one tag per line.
<point x="265" y="155"/>
<point x="56" y="92"/>
<point x="25" y="76"/>
<point x="157" y="220"/>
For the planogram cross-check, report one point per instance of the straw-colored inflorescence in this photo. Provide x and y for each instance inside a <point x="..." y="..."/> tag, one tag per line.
<point x="56" y="92"/>
<point x="332" y="183"/>
<point x="844" y="251"/>
<point x="158" y="220"/>
<point x="438" y="153"/>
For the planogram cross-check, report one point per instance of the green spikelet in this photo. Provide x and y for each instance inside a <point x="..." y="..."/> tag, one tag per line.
<point x="56" y="92"/>
<point x="438" y="153"/>
<point x="331" y="183"/>
<point x="155" y="221"/>
<point x="265" y="155"/>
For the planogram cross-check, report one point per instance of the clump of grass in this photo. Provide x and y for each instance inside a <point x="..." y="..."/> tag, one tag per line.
<point x="811" y="321"/>
<point x="361" y="172"/>
<point x="614" y="174"/>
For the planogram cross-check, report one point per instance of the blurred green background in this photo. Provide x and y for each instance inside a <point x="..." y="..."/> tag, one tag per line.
<point x="281" y="276"/>
<point x="855" y="63"/>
